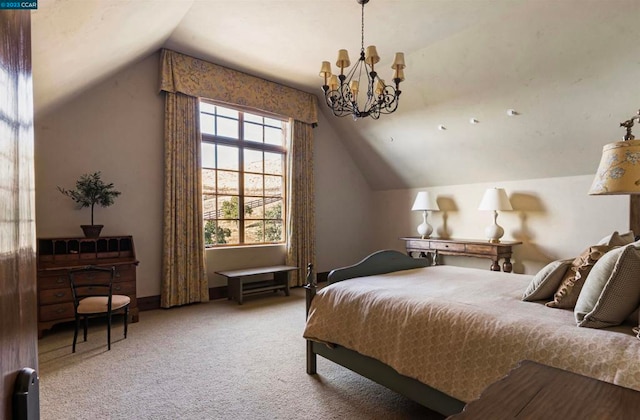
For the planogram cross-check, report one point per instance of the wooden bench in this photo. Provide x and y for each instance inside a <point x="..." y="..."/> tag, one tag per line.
<point x="243" y="282"/>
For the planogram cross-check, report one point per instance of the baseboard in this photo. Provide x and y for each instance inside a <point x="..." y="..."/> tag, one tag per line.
<point x="149" y="303"/>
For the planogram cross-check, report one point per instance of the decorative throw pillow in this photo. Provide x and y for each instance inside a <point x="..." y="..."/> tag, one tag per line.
<point x="546" y="281"/>
<point x="615" y="239"/>
<point x="612" y="290"/>
<point x="567" y="293"/>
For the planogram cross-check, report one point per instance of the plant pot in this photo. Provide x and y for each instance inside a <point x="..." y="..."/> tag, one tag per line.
<point x="91" y="231"/>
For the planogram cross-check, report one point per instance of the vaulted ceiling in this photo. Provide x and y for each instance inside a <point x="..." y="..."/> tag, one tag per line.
<point x="570" y="68"/>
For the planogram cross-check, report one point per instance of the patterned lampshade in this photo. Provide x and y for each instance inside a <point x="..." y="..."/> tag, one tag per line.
<point x="619" y="170"/>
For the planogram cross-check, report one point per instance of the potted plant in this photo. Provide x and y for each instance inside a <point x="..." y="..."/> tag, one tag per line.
<point x="89" y="191"/>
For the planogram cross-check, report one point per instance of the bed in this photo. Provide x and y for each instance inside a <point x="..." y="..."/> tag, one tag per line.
<point x="441" y="334"/>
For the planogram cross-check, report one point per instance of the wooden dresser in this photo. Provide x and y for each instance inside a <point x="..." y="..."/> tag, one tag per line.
<point x="56" y="256"/>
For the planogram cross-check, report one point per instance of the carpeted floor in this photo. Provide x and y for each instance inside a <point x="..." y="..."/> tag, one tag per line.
<point x="217" y="360"/>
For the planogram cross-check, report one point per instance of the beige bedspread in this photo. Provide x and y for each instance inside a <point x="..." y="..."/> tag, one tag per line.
<point x="460" y="329"/>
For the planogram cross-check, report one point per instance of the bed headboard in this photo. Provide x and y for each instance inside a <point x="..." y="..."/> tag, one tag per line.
<point x="380" y="262"/>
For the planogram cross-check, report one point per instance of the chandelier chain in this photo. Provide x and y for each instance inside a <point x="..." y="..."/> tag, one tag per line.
<point x="362" y="30"/>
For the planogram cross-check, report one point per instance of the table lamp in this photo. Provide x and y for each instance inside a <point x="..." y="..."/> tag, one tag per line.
<point x="495" y="199"/>
<point x="425" y="202"/>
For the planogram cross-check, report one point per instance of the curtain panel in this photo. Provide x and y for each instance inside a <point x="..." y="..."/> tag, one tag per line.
<point x="301" y="225"/>
<point x="195" y="77"/>
<point x="184" y="278"/>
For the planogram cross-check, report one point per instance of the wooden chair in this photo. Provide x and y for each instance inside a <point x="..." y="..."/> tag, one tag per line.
<point x="92" y="289"/>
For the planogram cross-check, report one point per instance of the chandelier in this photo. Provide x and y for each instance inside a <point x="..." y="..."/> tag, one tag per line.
<point x="341" y="91"/>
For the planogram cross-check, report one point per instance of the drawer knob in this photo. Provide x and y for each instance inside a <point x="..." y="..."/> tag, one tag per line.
<point x="60" y="294"/>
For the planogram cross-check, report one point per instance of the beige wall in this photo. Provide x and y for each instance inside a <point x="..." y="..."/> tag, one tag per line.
<point x="117" y="127"/>
<point x="114" y="128"/>
<point x="553" y="217"/>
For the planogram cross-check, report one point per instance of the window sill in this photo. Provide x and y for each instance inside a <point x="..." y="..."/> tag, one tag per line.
<point x="232" y="247"/>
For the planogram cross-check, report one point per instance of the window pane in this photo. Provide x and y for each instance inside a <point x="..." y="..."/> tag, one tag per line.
<point x="273" y="163"/>
<point x="253" y="160"/>
<point x="230" y="231"/>
<point x="272" y="122"/>
<point x="227" y="112"/>
<point x="209" y="207"/>
<point x="209" y="185"/>
<point x="273" y="230"/>
<point x="273" y="136"/>
<point x="273" y="208"/>
<point x="254" y="208"/>
<point x="216" y="233"/>
<point x="228" y="183"/>
<point x="272" y="186"/>
<point x="208" y="155"/>
<point x="253" y="184"/>
<point x="252" y="118"/>
<point x="228" y="207"/>
<point x="205" y="107"/>
<point x="228" y="158"/>
<point x="254" y="232"/>
<point x="227" y="127"/>
<point x="207" y="124"/>
<point x="252" y="132"/>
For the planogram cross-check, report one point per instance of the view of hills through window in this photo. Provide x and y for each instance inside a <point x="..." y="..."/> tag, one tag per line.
<point x="243" y="176"/>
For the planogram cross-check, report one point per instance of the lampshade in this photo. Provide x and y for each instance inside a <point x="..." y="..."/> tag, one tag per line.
<point x="495" y="199"/>
<point x="425" y="201"/>
<point x="619" y="170"/>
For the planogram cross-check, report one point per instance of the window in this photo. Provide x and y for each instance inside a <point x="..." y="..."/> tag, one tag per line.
<point x="243" y="176"/>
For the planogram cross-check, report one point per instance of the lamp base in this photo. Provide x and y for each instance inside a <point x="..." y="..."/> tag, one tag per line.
<point x="425" y="229"/>
<point x="494" y="233"/>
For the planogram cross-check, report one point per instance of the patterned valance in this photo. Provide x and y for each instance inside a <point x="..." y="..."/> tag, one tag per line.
<point x="195" y="77"/>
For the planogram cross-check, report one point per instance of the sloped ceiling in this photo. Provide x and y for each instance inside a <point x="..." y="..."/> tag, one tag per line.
<point x="570" y="68"/>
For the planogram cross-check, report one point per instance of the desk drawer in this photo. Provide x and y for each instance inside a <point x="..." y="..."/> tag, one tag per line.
<point x="53" y="280"/>
<point x="443" y="246"/>
<point x="52" y="296"/>
<point x="59" y="311"/>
